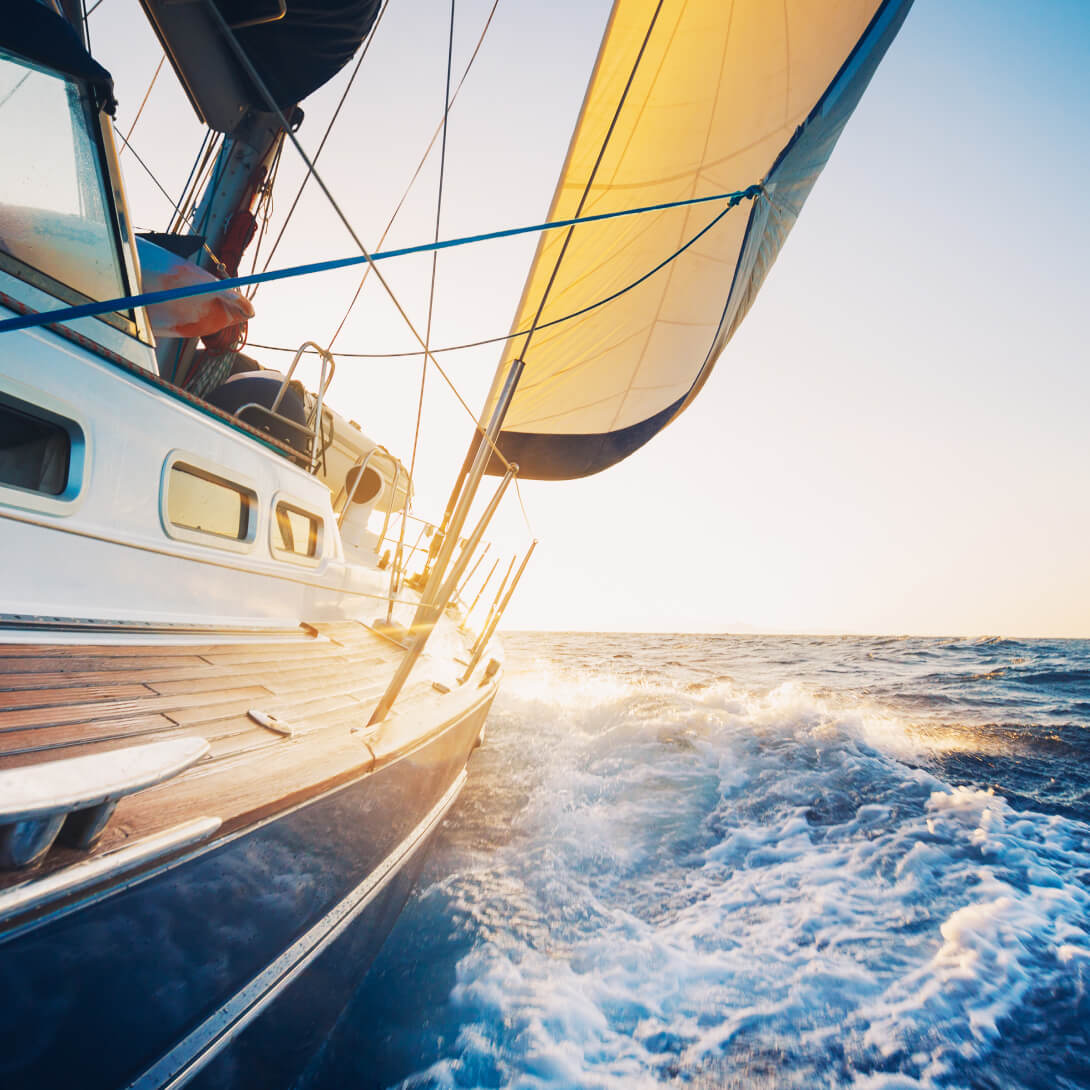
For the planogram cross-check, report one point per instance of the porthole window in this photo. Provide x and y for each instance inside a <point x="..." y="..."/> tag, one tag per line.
<point x="35" y="451"/>
<point x="295" y="532"/>
<point x="202" y="502"/>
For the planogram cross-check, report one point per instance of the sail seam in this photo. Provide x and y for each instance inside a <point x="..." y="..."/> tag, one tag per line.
<point x="591" y="177"/>
<point x="681" y="232"/>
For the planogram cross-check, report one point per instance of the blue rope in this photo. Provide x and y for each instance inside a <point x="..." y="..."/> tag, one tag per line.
<point x="65" y="314"/>
<point x="521" y="332"/>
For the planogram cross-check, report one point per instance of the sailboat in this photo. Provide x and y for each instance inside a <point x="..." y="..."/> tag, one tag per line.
<point x="238" y="689"/>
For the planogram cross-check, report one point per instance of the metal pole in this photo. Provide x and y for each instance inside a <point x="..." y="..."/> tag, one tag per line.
<point x="393" y="500"/>
<point x="473" y="570"/>
<point x="487" y="580"/>
<point x="431" y="601"/>
<point x="483" y="642"/>
<point x="428" y="613"/>
<point x="473" y="480"/>
<point x="495" y="602"/>
<point x="395" y="577"/>
<point x="456" y="491"/>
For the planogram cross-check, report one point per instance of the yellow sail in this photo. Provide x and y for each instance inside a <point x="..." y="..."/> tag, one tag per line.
<point x="689" y="98"/>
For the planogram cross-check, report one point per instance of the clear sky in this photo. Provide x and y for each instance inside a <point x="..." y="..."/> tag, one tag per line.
<point x="897" y="440"/>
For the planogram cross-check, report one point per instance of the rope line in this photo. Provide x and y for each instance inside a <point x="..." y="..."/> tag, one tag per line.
<point x="126" y="146"/>
<point x="543" y="325"/>
<point x="144" y="102"/>
<point x="124" y="302"/>
<point x="416" y="173"/>
<point x="590" y="179"/>
<point x="366" y="256"/>
<point x="431" y="291"/>
<point x="325" y="137"/>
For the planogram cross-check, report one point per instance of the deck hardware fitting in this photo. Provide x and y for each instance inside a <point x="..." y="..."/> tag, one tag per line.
<point x="74" y="797"/>
<point x="271" y="722"/>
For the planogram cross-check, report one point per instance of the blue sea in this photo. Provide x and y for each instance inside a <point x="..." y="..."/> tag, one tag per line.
<point x="752" y="861"/>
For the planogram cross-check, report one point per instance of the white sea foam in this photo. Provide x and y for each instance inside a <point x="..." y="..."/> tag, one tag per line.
<point x="735" y="888"/>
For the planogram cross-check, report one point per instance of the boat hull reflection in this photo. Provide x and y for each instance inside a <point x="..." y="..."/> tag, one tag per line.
<point x="229" y="969"/>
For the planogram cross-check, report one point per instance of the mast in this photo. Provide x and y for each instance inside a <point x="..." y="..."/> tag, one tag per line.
<point x="224" y="215"/>
<point x="437" y="593"/>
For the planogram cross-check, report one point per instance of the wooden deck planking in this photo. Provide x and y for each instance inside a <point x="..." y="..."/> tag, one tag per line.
<point x="241" y="789"/>
<point x="81" y="661"/>
<point x="44" y="698"/>
<point x="175" y="677"/>
<point x="179" y="708"/>
<point x="77" y="735"/>
<point x="73" y="699"/>
<point x="250" y="772"/>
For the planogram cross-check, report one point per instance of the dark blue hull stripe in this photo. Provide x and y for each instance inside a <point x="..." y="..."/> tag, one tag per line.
<point x="213" y="1034"/>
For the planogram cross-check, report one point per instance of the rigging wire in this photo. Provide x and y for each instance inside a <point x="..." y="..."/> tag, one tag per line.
<point x="552" y="321"/>
<point x="416" y="173"/>
<point x="265" y="208"/>
<point x="147" y="170"/>
<point x="260" y="84"/>
<point x="431" y="287"/>
<point x="11" y="94"/>
<point x="82" y="310"/>
<point x="322" y="143"/>
<point x="143" y="103"/>
<point x="590" y="179"/>
<point x="204" y="245"/>
<point x="525" y="513"/>
<point x="196" y="172"/>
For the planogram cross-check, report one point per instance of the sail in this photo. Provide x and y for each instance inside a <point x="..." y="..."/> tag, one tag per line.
<point x="295" y="46"/>
<point x="689" y="98"/>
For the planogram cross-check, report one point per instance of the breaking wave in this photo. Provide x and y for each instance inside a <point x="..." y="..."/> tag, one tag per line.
<point x="673" y="876"/>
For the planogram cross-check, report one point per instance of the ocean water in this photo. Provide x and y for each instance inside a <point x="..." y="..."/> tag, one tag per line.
<point x="746" y="861"/>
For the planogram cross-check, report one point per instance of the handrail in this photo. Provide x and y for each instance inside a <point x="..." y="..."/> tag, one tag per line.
<point x="487" y="633"/>
<point x="326" y="357"/>
<point x="314" y="419"/>
<point x="472" y="571"/>
<point x="361" y="465"/>
<point x="495" y="601"/>
<point x="398" y="470"/>
<point x="480" y="591"/>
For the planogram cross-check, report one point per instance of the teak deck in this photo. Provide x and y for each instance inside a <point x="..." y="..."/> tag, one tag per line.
<point x="66" y="700"/>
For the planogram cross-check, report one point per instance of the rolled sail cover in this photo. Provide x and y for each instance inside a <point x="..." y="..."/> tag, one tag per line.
<point x="689" y="98"/>
<point x="295" y="46"/>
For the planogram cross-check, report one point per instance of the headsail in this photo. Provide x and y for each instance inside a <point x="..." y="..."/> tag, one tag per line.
<point x="689" y="98"/>
<point x="295" y="47"/>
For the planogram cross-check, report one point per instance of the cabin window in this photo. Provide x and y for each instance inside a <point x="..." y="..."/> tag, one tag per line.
<point x="55" y="217"/>
<point x="35" y="452"/>
<point x="295" y="531"/>
<point x="197" y="500"/>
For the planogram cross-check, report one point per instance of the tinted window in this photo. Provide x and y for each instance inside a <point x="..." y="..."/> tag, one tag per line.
<point x="34" y="453"/>
<point x="54" y="215"/>
<point x="296" y="531"/>
<point x="197" y="500"/>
